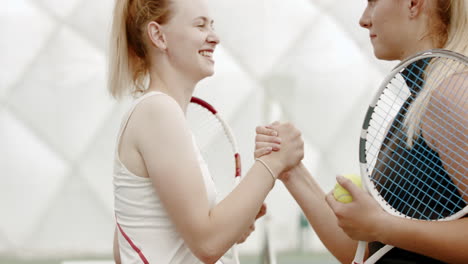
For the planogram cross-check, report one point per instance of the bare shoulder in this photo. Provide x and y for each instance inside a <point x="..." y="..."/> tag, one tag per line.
<point x="158" y="112"/>
<point x="451" y="91"/>
<point x="159" y="119"/>
<point x="446" y="110"/>
<point x="158" y="106"/>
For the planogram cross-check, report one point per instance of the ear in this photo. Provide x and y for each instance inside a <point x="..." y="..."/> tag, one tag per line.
<point x="415" y="7"/>
<point x="156" y="36"/>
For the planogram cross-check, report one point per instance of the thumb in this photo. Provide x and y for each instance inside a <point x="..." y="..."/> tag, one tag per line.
<point x="352" y="188"/>
<point x="274" y="124"/>
<point x="332" y="202"/>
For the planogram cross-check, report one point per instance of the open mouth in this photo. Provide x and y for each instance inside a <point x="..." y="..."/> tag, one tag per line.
<point x="206" y="53"/>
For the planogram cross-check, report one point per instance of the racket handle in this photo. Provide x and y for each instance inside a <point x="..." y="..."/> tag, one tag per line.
<point x="360" y="251"/>
<point x="377" y="255"/>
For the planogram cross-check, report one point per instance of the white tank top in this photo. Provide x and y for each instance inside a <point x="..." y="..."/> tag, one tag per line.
<point x="146" y="233"/>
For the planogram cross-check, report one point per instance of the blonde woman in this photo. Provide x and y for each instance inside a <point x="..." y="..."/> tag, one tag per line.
<point x="397" y="29"/>
<point x="164" y="197"/>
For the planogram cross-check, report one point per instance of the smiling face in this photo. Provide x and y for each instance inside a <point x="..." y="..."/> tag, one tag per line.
<point x="191" y="39"/>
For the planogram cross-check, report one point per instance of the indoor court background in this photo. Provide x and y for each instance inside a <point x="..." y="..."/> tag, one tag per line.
<point x="306" y="61"/>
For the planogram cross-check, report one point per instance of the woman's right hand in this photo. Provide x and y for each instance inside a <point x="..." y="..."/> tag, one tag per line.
<point x="283" y="144"/>
<point x="266" y="140"/>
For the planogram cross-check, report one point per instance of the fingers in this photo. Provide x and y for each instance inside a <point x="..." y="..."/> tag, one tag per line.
<point x="273" y="146"/>
<point x="267" y="139"/>
<point x="265" y="142"/>
<point x="262" y="152"/>
<point x="331" y="201"/>
<point x="354" y="190"/>
<point x="266" y="130"/>
<point x="273" y="124"/>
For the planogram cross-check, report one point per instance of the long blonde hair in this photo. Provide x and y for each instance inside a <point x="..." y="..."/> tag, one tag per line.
<point x="128" y="57"/>
<point x="450" y="31"/>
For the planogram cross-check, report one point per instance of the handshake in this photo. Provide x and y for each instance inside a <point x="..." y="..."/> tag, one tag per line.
<point x="280" y="145"/>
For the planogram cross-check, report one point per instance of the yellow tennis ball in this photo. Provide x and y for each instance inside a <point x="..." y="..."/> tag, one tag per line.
<point x="341" y="194"/>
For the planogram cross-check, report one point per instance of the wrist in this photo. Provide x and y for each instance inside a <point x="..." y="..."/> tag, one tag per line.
<point x="293" y="174"/>
<point x="273" y="165"/>
<point x="385" y="226"/>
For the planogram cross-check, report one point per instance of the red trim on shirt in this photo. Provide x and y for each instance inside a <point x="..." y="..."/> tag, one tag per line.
<point x="137" y="250"/>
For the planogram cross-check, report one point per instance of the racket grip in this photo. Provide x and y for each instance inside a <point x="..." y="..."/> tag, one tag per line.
<point x="360" y="251"/>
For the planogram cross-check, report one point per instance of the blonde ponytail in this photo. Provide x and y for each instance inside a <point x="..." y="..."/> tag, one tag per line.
<point x="458" y="28"/>
<point x="453" y="35"/>
<point x="129" y="63"/>
<point x="119" y="68"/>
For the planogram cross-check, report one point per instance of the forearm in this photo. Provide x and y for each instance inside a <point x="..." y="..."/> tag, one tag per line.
<point x="443" y="240"/>
<point x="234" y="215"/>
<point x="311" y="198"/>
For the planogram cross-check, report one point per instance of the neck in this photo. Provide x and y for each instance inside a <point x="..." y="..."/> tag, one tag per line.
<point x="419" y="38"/>
<point x="171" y="82"/>
<point x="421" y="45"/>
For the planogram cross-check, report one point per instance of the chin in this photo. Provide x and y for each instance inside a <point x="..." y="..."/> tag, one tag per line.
<point x="205" y="74"/>
<point x="208" y="72"/>
<point x="388" y="56"/>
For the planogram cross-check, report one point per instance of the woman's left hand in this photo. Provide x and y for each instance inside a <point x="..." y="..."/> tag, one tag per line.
<point x="261" y="213"/>
<point x="363" y="218"/>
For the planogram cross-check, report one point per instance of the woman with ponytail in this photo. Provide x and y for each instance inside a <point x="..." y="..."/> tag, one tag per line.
<point x="165" y="204"/>
<point x="397" y="30"/>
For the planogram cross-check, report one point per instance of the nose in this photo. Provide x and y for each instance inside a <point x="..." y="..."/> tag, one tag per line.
<point x="213" y="38"/>
<point x="365" y="20"/>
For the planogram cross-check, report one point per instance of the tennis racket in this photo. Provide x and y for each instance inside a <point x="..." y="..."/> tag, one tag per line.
<point x="219" y="151"/>
<point x="413" y="145"/>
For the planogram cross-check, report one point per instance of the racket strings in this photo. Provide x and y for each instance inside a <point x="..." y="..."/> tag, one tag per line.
<point x="445" y="67"/>
<point x="219" y="152"/>
<point x="393" y="103"/>
<point x="413" y="185"/>
<point x="216" y="147"/>
<point x="385" y="110"/>
<point x="391" y="138"/>
<point x="414" y="190"/>
<point x="205" y="124"/>
<point x="417" y="192"/>
<point x="409" y="194"/>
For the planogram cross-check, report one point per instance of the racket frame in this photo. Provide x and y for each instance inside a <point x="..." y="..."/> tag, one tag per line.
<point x="367" y="183"/>
<point x="237" y="158"/>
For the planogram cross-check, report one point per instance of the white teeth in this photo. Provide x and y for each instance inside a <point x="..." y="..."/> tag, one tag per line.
<point x="208" y="54"/>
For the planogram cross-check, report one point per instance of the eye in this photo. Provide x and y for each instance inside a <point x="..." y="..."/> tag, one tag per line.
<point x="371" y="3"/>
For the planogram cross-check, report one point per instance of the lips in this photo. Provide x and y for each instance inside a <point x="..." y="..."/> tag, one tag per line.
<point x="206" y="53"/>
